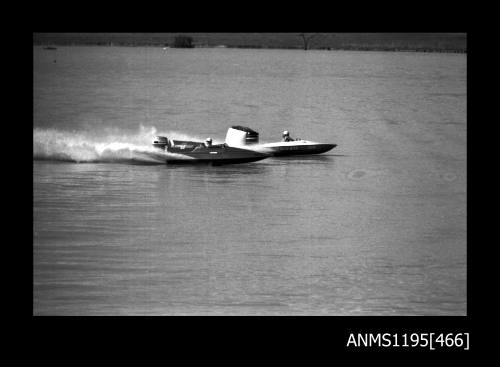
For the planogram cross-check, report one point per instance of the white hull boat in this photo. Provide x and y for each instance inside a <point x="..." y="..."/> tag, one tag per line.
<point x="244" y="137"/>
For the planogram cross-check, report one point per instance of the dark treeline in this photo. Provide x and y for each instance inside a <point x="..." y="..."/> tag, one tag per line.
<point x="182" y="41"/>
<point x="423" y="42"/>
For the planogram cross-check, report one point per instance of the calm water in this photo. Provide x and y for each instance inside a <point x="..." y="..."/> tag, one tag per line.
<point x="376" y="226"/>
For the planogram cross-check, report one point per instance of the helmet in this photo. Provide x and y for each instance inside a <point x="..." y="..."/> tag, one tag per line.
<point x="285" y="133"/>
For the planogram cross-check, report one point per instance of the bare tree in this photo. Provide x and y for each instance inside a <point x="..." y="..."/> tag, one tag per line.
<point x="182" y="41"/>
<point x="306" y="39"/>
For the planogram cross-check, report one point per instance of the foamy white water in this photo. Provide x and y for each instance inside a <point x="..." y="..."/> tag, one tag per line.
<point x="82" y="147"/>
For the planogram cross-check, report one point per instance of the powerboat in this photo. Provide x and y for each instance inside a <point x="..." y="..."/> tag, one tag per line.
<point x="193" y="152"/>
<point x="244" y="137"/>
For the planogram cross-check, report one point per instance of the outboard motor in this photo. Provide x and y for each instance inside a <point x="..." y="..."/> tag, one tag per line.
<point x="160" y="142"/>
<point x="241" y="135"/>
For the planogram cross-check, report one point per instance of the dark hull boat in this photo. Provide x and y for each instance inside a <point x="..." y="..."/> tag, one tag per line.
<point x="244" y="137"/>
<point x="192" y="152"/>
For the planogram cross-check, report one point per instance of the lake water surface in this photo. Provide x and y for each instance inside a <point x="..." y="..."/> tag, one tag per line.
<point x="377" y="226"/>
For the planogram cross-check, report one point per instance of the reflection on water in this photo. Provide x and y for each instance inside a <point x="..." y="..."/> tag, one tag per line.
<point x="225" y="174"/>
<point x="228" y="169"/>
<point x="303" y="159"/>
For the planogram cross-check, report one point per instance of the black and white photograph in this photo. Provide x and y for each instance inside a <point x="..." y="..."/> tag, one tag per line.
<point x="250" y="174"/>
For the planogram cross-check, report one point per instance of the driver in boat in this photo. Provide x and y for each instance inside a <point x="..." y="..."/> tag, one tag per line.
<point x="208" y="142"/>
<point x="286" y="136"/>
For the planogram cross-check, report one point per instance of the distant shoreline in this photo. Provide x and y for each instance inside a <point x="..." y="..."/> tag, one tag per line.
<point x="393" y="42"/>
<point x="344" y="48"/>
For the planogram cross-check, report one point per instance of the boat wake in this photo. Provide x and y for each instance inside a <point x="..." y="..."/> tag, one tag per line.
<point x="80" y="147"/>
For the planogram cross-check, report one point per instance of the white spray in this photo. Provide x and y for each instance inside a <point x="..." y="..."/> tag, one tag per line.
<point x="109" y="146"/>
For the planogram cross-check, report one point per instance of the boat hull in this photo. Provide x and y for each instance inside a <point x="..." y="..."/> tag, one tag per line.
<point x="215" y="162"/>
<point x="281" y="149"/>
<point x="287" y="150"/>
<point x="197" y="153"/>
